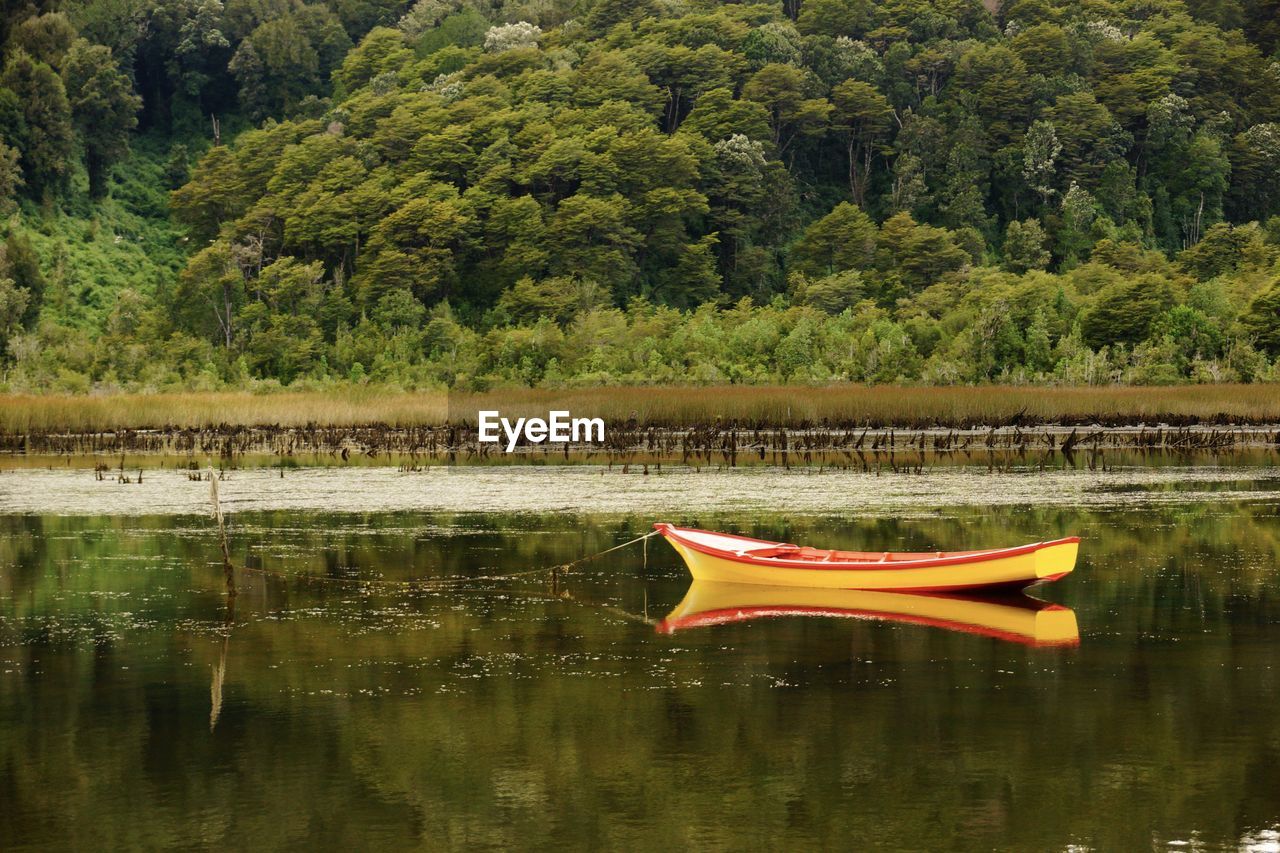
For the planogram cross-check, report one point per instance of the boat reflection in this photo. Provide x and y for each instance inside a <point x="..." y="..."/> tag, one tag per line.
<point x="1015" y="617"/>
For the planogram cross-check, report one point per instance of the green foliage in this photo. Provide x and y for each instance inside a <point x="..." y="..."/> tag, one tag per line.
<point x="834" y="293"/>
<point x="1024" y="246"/>
<point x="526" y="301"/>
<point x="13" y="305"/>
<point x="21" y="267"/>
<point x="103" y="108"/>
<point x="1226" y="249"/>
<point x="45" y="38"/>
<point x="43" y="131"/>
<point x="844" y="239"/>
<point x="1262" y="320"/>
<point x="468" y="194"/>
<point x="1124" y="312"/>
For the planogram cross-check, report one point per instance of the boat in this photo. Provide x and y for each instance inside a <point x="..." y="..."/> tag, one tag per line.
<point x="738" y="559"/>
<point x="1015" y="617"/>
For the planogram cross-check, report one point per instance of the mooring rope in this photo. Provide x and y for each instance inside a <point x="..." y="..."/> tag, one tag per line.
<point x="457" y="580"/>
<point x="424" y="583"/>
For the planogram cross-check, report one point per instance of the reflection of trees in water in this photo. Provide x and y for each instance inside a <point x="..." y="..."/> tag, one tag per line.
<point x="498" y="718"/>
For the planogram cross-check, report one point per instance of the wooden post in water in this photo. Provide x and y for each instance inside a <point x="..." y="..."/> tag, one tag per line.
<point x="227" y="568"/>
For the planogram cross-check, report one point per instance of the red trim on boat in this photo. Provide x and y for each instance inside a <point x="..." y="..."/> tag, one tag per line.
<point x="732" y="615"/>
<point x="674" y="533"/>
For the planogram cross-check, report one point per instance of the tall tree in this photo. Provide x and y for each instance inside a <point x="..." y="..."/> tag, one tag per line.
<point x="844" y="239"/>
<point x="47" y="37"/>
<point x="864" y="116"/>
<point x="784" y="91"/>
<point x="46" y="147"/>
<point x="1040" y="150"/>
<point x="104" y="108"/>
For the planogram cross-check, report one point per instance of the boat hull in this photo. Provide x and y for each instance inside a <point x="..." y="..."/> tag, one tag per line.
<point x="1013" y="567"/>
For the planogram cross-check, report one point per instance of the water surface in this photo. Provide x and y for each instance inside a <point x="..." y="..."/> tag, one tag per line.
<point x="335" y="705"/>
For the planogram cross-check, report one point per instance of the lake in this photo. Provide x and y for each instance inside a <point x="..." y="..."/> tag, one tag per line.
<point x="399" y="668"/>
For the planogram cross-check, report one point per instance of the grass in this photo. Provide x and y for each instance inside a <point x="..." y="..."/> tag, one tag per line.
<point x="659" y="406"/>
<point x="60" y="412"/>
<point x="886" y="405"/>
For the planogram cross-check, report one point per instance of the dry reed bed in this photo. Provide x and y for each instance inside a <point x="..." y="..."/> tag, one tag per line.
<point x="885" y="406"/>
<point x="24" y="414"/>
<point x="678" y="407"/>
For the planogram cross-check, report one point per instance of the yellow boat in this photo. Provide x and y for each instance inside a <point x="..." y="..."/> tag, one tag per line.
<point x="1009" y="616"/>
<point x="737" y="559"/>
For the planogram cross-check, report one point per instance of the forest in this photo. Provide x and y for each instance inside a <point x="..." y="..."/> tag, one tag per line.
<point x="472" y="195"/>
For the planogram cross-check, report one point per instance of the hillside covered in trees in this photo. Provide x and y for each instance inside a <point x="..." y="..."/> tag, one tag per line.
<point x="464" y="194"/>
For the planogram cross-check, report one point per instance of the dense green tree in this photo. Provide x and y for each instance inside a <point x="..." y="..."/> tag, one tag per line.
<point x="382" y="50"/>
<point x="1191" y="334"/>
<point x="180" y="63"/>
<point x="275" y="67"/>
<point x="995" y="81"/>
<point x="209" y="295"/>
<point x="1024" y="246"/>
<point x="418" y="247"/>
<point x="833" y="18"/>
<point x="1226" y="248"/>
<point x="11" y="180"/>
<point x="1124" y="312"/>
<point x="45" y="38"/>
<point x="1089" y="136"/>
<point x="104" y="108"/>
<point x="285" y="59"/>
<point x="685" y="74"/>
<point x="1262" y="320"/>
<point x="558" y="298"/>
<point x="783" y="91"/>
<point x="1079" y="215"/>
<point x="21" y="265"/>
<point x="47" y="140"/>
<point x="1040" y="149"/>
<point x="916" y="255"/>
<point x="844" y="239"/>
<point x="966" y="178"/>
<point x="1130" y="73"/>
<point x="1255" y="172"/>
<point x="1038" y="345"/>
<point x="13" y="305"/>
<point x="590" y="237"/>
<point x="177" y="168"/>
<point x="777" y="42"/>
<point x="717" y="116"/>
<point x="606" y="14"/>
<point x="833" y="293"/>
<point x="864" y="117"/>
<point x="1044" y="47"/>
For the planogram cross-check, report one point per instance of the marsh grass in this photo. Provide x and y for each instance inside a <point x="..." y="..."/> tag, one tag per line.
<point x="201" y="410"/>
<point x="679" y="406"/>
<point x="885" y="405"/>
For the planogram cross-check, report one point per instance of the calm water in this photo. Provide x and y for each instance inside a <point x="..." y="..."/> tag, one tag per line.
<point x="330" y="708"/>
